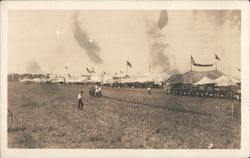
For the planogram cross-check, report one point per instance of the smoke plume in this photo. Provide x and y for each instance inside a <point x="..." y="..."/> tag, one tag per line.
<point x="90" y="46"/>
<point x="220" y="17"/>
<point x="163" y="19"/>
<point x="160" y="50"/>
<point x="33" y="67"/>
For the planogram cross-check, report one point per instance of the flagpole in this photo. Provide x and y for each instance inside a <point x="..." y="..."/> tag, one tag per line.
<point x="151" y="66"/>
<point x="191" y="67"/>
<point x="127" y="67"/>
<point x="215" y="65"/>
<point x="191" y="63"/>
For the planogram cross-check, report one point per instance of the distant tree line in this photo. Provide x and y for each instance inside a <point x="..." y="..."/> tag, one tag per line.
<point x="14" y="77"/>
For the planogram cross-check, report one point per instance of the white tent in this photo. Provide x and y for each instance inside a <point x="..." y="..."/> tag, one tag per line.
<point x="36" y="80"/>
<point x="82" y="79"/>
<point x="26" y="80"/>
<point x="153" y="77"/>
<point x="205" y="80"/>
<point x="58" y="80"/>
<point x="128" y="80"/>
<point x="95" y="78"/>
<point x="107" y="79"/>
<point x="226" y="81"/>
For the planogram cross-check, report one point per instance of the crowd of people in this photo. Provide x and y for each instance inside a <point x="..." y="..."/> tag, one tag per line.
<point x="95" y="91"/>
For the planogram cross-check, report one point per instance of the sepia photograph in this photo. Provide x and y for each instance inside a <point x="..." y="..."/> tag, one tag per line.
<point x="124" y="78"/>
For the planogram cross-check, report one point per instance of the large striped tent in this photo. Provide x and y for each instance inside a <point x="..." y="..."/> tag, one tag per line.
<point x="192" y="77"/>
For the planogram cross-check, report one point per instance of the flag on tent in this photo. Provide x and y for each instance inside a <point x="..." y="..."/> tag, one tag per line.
<point x="66" y="67"/>
<point x="129" y="64"/>
<point x="216" y="57"/>
<point x="88" y="70"/>
<point x="202" y="65"/>
<point x="192" y="59"/>
<point x="239" y="69"/>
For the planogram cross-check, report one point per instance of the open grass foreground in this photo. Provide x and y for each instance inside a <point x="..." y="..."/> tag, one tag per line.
<point x="46" y="116"/>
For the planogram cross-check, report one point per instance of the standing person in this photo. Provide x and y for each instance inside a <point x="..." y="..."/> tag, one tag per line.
<point x="91" y="91"/>
<point x="100" y="91"/>
<point x="165" y="90"/>
<point x="149" y="90"/>
<point x="80" y="100"/>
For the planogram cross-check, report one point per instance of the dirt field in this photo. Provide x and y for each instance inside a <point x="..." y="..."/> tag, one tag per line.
<point x="46" y="116"/>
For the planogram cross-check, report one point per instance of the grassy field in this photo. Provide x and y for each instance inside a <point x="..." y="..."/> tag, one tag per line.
<point x="46" y="116"/>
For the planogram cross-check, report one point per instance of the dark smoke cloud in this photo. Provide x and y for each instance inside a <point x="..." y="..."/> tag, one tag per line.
<point x="33" y="67"/>
<point x="81" y="36"/>
<point x="160" y="49"/>
<point x="163" y="19"/>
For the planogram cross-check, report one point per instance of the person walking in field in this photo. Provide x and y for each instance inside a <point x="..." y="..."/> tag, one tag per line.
<point x="149" y="90"/>
<point x="165" y="90"/>
<point x="80" y="100"/>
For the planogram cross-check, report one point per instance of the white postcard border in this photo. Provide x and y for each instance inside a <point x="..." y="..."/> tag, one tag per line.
<point x="152" y="5"/>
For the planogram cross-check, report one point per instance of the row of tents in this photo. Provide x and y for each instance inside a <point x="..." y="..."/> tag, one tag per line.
<point x="191" y="77"/>
<point x="201" y="83"/>
<point x="155" y="78"/>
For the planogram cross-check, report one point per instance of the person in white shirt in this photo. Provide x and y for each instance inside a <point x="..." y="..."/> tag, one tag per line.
<point x="96" y="91"/>
<point x="149" y="90"/>
<point x="80" y="100"/>
<point x="100" y="91"/>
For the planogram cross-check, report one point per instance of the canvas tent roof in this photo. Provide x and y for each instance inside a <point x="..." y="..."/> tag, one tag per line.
<point x="191" y="77"/>
<point x="82" y="79"/>
<point x="95" y="78"/>
<point x="107" y="79"/>
<point x="153" y="77"/>
<point x="26" y="80"/>
<point x="226" y="81"/>
<point x="36" y="80"/>
<point x="57" y="80"/>
<point x="204" y="81"/>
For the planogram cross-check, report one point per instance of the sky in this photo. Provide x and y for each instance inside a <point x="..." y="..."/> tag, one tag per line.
<point x="47" y="41"/>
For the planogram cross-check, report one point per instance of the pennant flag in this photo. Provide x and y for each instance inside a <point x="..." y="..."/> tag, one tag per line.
<point x="69" y="75"/>
<point x="192" y="59"/>
<point x="202" y="65"/>
<point x="93" y="70"/>
<point x="216" y="57"/>
<point x="88" y="70"/>
<point x="239" y="69"/>
<point x="129" y="64"/>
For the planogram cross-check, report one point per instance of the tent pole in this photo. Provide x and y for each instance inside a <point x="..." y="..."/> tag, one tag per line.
<point x="215" y="65"/>
<point x="127" y="67"/>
